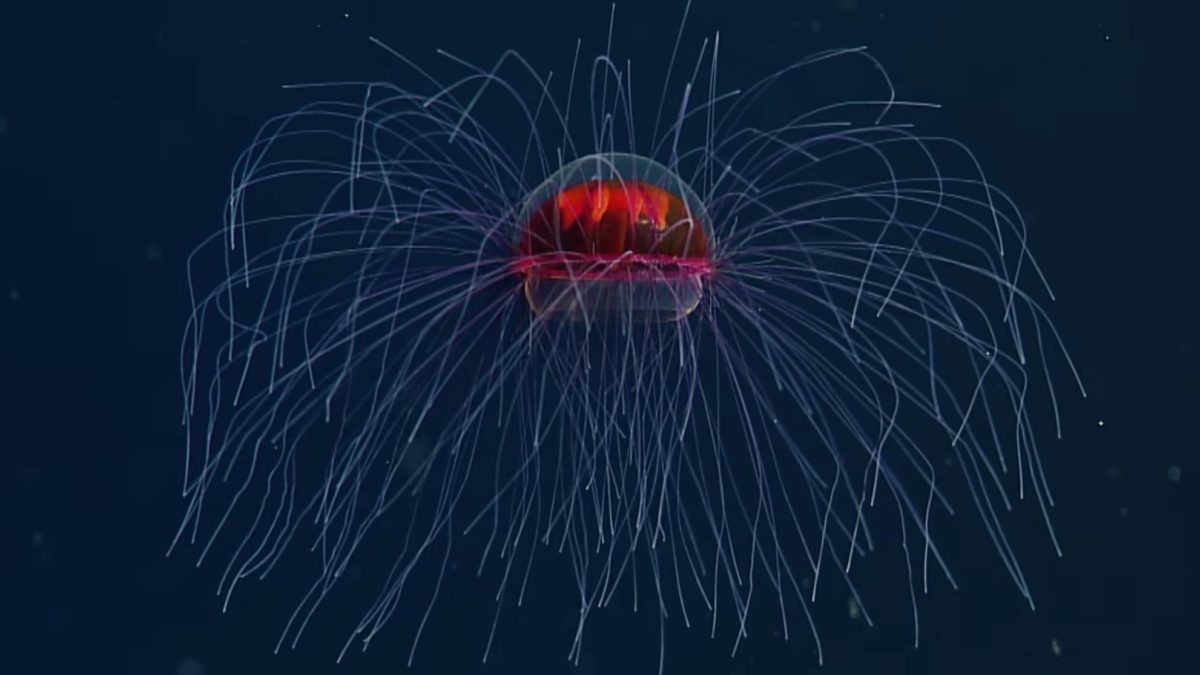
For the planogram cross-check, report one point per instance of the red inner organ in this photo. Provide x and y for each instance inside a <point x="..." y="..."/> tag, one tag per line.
<point x="613" y="229"/>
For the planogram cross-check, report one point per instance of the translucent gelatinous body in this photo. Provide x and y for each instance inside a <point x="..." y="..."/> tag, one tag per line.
<point x="616" y="236"/>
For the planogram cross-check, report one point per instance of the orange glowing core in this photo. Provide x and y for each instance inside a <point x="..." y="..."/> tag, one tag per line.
<point x="613" y="229"/>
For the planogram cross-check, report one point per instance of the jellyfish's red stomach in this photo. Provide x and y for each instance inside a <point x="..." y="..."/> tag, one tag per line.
<point x="613" y="249"/>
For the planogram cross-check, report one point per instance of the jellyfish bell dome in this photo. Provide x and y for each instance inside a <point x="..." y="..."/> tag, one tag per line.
<point x="614" y="236"/>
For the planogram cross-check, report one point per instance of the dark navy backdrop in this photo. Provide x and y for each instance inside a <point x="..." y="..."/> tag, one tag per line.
<point x="119" y="122"/>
